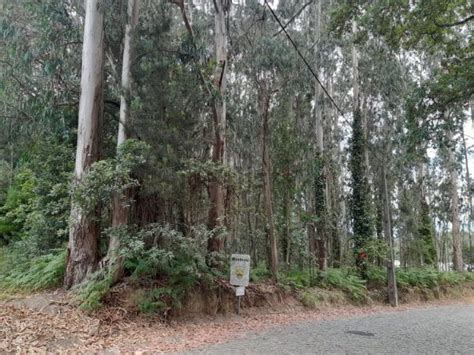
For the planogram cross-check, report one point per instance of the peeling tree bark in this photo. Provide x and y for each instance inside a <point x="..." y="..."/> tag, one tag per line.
<point x="84" y="231"/>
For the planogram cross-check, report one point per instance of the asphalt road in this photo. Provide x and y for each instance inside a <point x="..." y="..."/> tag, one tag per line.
<point x="439" y="330"/>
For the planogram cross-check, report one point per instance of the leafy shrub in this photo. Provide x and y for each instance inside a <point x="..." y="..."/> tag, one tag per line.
<point x="20" y="273"/>
<point x="158" y="252"/>
<point x="110" y="176"/>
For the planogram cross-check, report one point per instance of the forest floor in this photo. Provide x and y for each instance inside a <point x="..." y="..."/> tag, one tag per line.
<point x="48" y="322"/>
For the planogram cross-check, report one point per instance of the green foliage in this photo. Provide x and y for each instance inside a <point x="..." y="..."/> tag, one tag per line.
<point x="110" y="176"/>
<point x="377" y="276"/>
<point x="6" y="174"/>
<point x="429" y="278"/>
<point x="259" y="273"/>
<point x="201" y="173"/>
<point x="37" y="204"/>
<point x="360" y="199"/>
<point x="345" y="280"/>
<point x="159" y="300"/>
<point x="17" y="206"/>
<point x="310" y="299"/>
<point x="298" y="279"/>
<point x="426" y="235"/>
<point x="158" y="253"/>
<point x="376" y="249"/>
<point x="424" y="278"/>
<point x="18" y="272"/>
<point x="92" y="293"/>
<point x="338" y="279"/>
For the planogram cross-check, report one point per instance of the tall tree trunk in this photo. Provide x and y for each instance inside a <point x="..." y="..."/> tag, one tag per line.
<point x="355" y="72"/>
<point x="121" y="202"/>
<point x="263" y="113"/>
<point x="84" y="231"/>
<point x="287" y="214"/>
<point x="453" y="175"/>
<point x="391" y="276"/>
<point x="321" y="190"/>
<point x="470" y="218"/>
<point x="216" y="189"/>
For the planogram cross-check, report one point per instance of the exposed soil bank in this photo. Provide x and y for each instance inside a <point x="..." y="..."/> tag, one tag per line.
<point x="48" y="322"/>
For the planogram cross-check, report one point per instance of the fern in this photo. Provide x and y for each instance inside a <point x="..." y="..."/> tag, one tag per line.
<point x="20" y="273"/>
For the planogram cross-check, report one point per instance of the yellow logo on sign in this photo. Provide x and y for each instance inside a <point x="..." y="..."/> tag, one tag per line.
<point x="239" y="272"/>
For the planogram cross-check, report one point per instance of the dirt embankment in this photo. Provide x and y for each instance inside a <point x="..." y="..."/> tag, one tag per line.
<point x="50" y="321"/>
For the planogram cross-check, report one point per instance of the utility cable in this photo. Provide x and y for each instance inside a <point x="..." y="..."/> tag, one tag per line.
<point x="303" y="58"/>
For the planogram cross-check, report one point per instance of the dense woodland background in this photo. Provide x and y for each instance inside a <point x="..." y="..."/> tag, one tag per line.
<point x="198" y="131"/>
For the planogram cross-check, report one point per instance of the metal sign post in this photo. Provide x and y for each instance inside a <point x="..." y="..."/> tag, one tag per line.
<point x="239" y="275"/>
<point x="239" y="292"/>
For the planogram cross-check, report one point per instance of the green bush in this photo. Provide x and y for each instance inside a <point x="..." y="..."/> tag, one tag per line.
<point x="160" y="253"/>
<point x="18" y="272"/>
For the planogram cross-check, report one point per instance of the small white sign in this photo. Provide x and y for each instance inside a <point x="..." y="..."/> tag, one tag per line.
<point x="240" y="291"/>
<point x="239" y="269"/>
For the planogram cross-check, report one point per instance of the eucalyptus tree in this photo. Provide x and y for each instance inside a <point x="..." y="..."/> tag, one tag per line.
<point x="83" y="247"/>
<point x="217" y="193"/>
<point x="121" y="202"/>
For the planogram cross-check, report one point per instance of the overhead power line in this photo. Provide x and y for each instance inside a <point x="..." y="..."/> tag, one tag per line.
<point x="303" y="58"/>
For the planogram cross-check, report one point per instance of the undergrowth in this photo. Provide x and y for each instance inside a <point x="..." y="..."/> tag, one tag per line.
<point x="430" y="278"/>
<point x="91" y="294"/>
<point x="343" y="279"/>
<point x="356" y="289"/>
<point x="20" y="273"/>
<point x="158" y="260"/>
